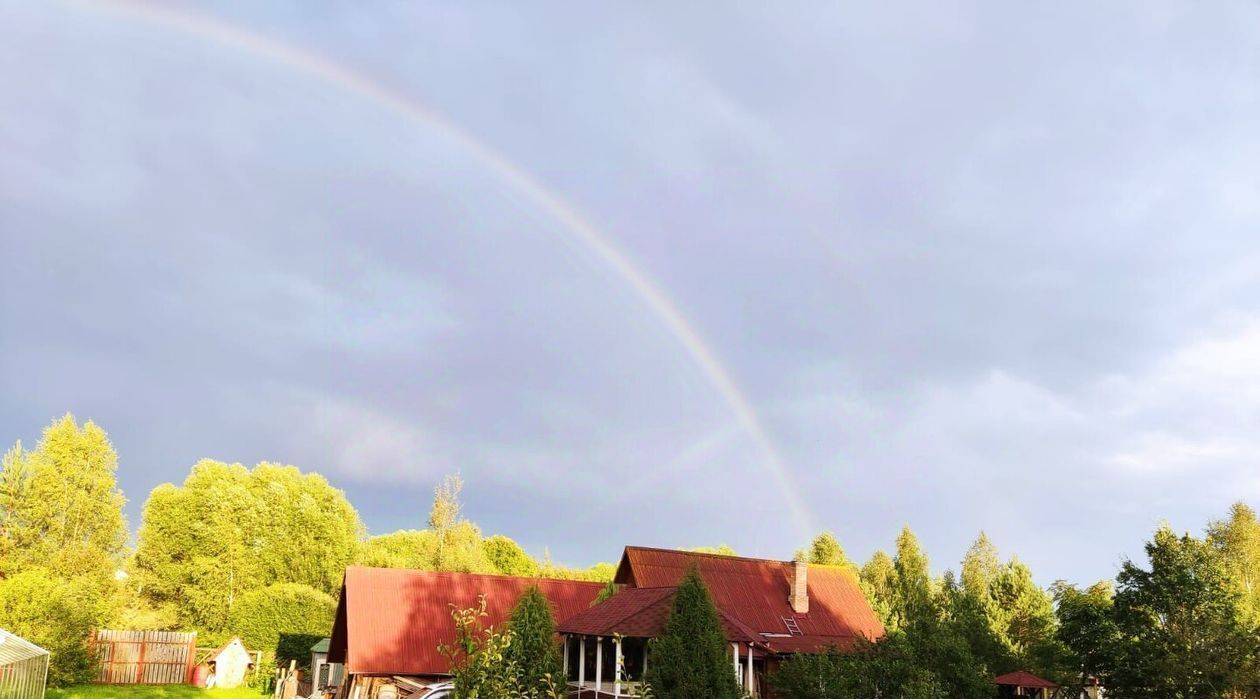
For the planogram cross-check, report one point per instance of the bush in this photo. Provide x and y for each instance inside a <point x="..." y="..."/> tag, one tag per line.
<point x="56" y="614"/>
<point x="296" y="646"/>
<point x="691" y="658"/>
<point x="260" y="617"/>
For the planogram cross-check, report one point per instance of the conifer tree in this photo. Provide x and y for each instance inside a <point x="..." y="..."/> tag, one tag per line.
<point x="691" y="659"/>
<point x="533" y="646"/>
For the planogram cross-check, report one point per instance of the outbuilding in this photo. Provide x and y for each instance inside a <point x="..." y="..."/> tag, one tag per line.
<point x="23" y="668"/>
<point x="229" y="664"/>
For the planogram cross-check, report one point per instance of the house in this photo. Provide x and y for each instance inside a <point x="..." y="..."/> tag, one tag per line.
<point x="229" y="663"/>
<point x="390" y="622"/>
<point x="323" y="673"/>
<point x="769" y="610"/>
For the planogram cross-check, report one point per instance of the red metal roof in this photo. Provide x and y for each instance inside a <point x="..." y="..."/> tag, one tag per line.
<point x="1024" y="679"/>
<point x="754" y="592"/>
<point x="641" y="613"/>
<point x="391" y="621"/>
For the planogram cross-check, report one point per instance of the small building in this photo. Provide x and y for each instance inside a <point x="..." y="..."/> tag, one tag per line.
<point x="229" y="664"/>
<point x="1024" y="684"/>
<point x="323" y="673"/>
<point x="23" y="668"/>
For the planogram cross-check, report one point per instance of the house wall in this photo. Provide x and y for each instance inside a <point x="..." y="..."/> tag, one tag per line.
<point x="231" y="665"/>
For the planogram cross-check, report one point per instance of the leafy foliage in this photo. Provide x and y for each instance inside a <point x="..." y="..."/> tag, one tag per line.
<point x="262" y="616"/>
<point x="1181" y="631"/>
<point x="533" y="646"/>
<point x="508" y="558"/>
<point x="228" y="530"/>
<point x="691" y="659"/>
<point x="870" y="671"/>
<point x="825" y="550"/>
<point x="56" y="614"/>
<point x="484" y="664"/>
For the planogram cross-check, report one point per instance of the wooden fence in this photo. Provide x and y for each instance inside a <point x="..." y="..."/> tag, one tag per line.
<point x="144" y="657"/>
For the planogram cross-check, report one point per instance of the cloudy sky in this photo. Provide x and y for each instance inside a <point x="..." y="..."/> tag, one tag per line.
<point x="658" y="273"/>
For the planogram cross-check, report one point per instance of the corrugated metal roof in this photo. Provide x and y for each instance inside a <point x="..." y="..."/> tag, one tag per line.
<point x="1024" y="679"/>
<point x="642" y="613"/>
<point x="391" y="621"/>
<point x="755" y="593"/>
<point x="14" y="648"/>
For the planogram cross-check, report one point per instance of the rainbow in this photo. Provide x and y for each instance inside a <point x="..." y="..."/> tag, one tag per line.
<point x="573" y="222"/>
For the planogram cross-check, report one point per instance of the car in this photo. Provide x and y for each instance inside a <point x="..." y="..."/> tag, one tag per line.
<point x="445" y="690"/>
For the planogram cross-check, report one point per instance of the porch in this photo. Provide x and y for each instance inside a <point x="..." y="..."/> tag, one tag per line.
<point x="604" y="667"/>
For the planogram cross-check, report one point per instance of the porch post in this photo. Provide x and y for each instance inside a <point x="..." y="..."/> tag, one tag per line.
<point x="735" y="660"/>
<point x="566" y="658"/>
<point x="617" y="668"/>
<point x="599" y="664"/>
<point x="751" y="687"/>
<point x="581" y="664"/>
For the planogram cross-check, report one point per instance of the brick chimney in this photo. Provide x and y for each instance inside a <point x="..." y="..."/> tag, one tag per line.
<point x="799" y="594"/>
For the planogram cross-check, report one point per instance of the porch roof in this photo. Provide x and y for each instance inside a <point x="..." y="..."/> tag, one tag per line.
<point x="641" y="612"/>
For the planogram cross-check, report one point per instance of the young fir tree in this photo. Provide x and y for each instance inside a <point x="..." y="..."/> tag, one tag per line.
<point x="691" y="659"/>
<point x="533" y="646"/>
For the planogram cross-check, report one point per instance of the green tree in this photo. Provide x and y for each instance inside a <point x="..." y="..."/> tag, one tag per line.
<point x="67" y="509"/>
<point x="14" y="482"/>
<point x="869" y="671"/>
<point x="263" y="616"/>
<point x="1237" y="540"/>
<point x="508" y="557"/>
<point x="879" y="582"/>
<point x="912" y="582"/>
<point x="980" y="567"/>
<point x="691" y="659"/>
<point x="228" y="530"/>
<point x="1087" y="628"/>
<point x="56" y="614"/>
<point x="1180" y="631"/>
<point x="406" y="548"/>
<point x="533" y="646"/>
<point x="825" y="550"/>
<point x="719" y="550"/>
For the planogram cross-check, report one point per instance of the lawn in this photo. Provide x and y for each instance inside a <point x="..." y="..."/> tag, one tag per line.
<point x="150" y="691"/>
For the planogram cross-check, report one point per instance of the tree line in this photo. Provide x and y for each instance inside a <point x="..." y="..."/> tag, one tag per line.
<point x="259" y="552"/>
<point x="256" y="552"/>
<point x="1184" y="624"/>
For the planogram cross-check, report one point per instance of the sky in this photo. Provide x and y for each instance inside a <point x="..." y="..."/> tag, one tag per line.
<point x="665" y="274"/>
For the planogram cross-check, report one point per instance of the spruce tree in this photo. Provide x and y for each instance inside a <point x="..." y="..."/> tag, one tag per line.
<point x="533" y="646"/>
<point x="691" y="659"/>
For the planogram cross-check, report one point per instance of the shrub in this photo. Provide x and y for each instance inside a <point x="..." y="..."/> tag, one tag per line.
<point x="56" y="614"/>
<point x="691" y="657"/>
<point x="260" y="617"/>
<point x="533" y="644"/>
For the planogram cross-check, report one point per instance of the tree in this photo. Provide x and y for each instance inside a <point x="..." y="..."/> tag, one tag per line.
<point x="870" y="671"/>
<point x="1237" y="540"/>
<point x="980" y="567"/>
<point x="1181" y="635"/>
<point x="879" y="582"/>
<point x="825" y="550"/>
<point x="406" y="548"/>
<point x="228" y="530"/>
<point x="719" y="550"/>
<point x="912" y="586"/>
<point x="508" y="558"/>
<point x="262" y="617"/>
<point x="533" y="646"/>
<point x="14" y="481"/>
<point x="1087" y="628"/>
<point x="66" y="507"/>
<point x="690" y="659"/>
<point x="482" y="667"/>
<point x="56" y="614"/>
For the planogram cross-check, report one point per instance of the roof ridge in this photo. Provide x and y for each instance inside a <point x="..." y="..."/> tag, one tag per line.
<point x="419" y="572"/>
<point x="721" y="556"/>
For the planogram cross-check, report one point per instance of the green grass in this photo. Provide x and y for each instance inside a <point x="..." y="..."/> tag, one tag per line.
<point x="150" y="691"/>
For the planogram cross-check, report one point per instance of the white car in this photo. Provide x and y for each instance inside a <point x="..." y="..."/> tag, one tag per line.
<point x="446" y="690"/>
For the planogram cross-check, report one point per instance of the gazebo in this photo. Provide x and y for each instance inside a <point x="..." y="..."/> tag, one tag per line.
<point x="23" y="668"/>
<point x="1024" y="684"/>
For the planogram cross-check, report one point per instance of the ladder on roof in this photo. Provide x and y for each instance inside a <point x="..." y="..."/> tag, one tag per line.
<point x="792" y="627"/>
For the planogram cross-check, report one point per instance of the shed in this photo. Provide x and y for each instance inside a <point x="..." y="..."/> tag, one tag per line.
<point x="229" y="663"/>
<point x="23" y="668"/>
<point x="1024" y="684"/>
<point x="323" y="673"/>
